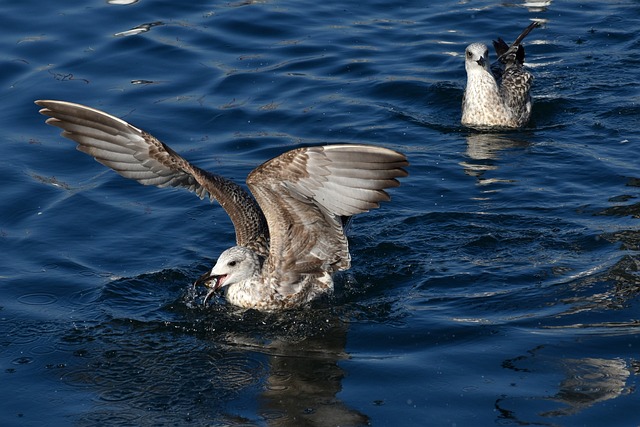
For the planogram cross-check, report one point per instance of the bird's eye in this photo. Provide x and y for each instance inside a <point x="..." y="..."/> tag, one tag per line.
<point x="486" y="53"/>
<point x="232" y="263"/>
<point x="469" y="54"/>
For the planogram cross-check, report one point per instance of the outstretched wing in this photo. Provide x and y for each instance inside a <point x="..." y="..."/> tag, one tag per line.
<point x="304" y="195"/>
<point x="137" y="155"/>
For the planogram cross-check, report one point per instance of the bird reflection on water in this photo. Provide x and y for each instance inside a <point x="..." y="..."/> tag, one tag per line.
<point x="483" y="151"/>
<point x="288" y="362"/>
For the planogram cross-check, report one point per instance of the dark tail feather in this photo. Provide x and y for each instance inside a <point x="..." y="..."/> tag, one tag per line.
<point x="526" y="32"/>
<point x="500" y="46"/>
<point x="504" y="51"/>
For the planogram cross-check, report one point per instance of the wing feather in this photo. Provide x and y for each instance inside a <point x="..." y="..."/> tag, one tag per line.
<point x="137" y="155"/>
<point x="304" y="194"/>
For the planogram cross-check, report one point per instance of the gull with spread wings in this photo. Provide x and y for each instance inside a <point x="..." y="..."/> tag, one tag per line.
<point x="289" y="234"/>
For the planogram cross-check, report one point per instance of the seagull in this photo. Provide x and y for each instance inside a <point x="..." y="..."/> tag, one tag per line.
<point x="497" y="96"/>
<point x="290" y="235"/>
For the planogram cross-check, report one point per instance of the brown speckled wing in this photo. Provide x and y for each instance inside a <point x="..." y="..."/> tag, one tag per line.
<point x="304" y="194"/>
<point x="137" y="155"/>
<point x="515" y="90"/>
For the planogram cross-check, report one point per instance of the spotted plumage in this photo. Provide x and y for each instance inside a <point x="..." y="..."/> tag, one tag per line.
<point x="497" y="96"/>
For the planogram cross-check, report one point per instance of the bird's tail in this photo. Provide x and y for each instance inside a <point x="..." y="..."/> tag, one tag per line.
<point x="525" y="32"/>
<point x="514" y="53"/>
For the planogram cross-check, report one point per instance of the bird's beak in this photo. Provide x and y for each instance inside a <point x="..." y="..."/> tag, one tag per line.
<point x="212" y="282"/>
<point x="481" y="61"/>
<point x="204" y="279"/>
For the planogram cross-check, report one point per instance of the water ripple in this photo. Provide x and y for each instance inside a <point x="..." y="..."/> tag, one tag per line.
<point x="503" y="274"/>
<point x="38" y="299"/>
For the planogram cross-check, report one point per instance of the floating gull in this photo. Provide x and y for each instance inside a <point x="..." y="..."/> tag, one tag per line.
<point x="290" y="238"/>
<point x="497" y="96"/>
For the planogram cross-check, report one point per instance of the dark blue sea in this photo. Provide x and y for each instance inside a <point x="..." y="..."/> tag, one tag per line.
<point x="500" y="286"/>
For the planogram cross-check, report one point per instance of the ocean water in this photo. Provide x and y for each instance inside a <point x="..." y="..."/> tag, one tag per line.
<point x="498" y="287"/>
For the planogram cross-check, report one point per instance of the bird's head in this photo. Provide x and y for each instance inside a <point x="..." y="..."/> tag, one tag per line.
<point x="476" y="56"/>
<point x="234" y="265"/>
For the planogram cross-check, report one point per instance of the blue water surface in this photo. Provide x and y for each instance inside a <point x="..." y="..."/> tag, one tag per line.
<point x="498" y="287"/>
